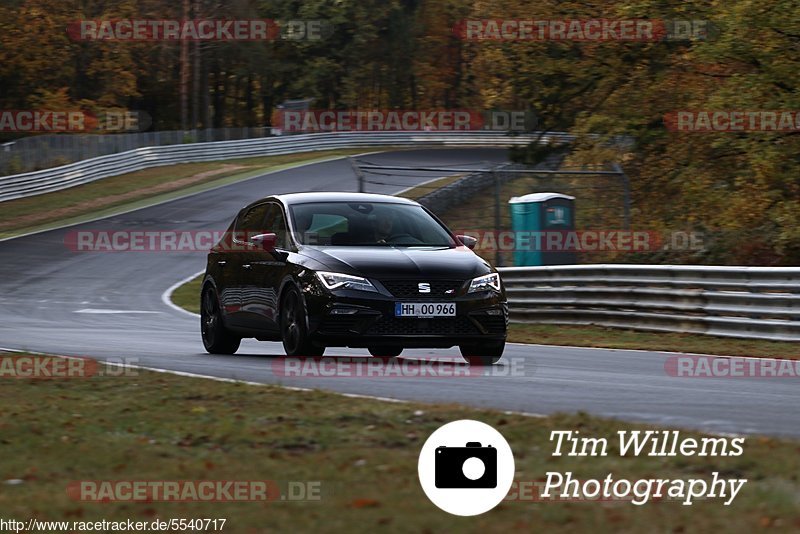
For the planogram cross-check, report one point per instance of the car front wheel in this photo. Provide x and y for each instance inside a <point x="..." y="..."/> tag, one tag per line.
<point x="483" y="353"/>
<point x="385" y="352"/>
<point x="294" y="332"/>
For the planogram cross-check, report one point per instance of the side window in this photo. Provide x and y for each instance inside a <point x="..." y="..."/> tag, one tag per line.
<point x="276" y="223"/>
<point x="322" y="226"/>
<point x="252" y="222"/>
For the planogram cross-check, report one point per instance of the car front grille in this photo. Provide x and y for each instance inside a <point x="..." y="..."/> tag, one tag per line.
<point x="409" y="289"/>
<point x="407" y="326"/>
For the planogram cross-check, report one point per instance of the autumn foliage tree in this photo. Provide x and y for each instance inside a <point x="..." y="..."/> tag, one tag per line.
<point x="741" y="190"/>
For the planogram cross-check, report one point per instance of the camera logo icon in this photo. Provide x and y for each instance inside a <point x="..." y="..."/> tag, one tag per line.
<point x="472" y="466"/>
<point x="466" y="467"/>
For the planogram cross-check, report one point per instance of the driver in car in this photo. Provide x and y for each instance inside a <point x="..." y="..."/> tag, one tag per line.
<point x="383" y="225"/>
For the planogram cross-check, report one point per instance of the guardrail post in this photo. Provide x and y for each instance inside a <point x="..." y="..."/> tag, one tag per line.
<point x="359" y="175"/>
<point x="498" y="255"/>
<point x="626" y="199"/>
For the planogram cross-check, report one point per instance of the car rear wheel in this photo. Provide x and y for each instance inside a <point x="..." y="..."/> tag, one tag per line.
<point x="483" y="353"/>
<point x="294" y="332"/>
<point x="386" y="352"/>
<point x="216" y="338"/>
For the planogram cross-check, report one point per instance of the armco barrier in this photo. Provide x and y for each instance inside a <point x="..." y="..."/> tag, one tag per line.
<point x="741" y="302"/>
<point x="82" y="172"/>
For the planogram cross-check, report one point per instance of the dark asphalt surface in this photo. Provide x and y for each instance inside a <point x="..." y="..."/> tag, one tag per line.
<point x="109" y="306"/>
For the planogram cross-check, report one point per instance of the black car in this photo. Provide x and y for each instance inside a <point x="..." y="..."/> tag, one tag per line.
<point x="318" y="270"/>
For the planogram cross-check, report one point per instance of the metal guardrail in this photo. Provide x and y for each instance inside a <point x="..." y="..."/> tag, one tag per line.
<point x="82" y="172"/>
<point x="740" y="302"/>
<point x="38" y="152"/>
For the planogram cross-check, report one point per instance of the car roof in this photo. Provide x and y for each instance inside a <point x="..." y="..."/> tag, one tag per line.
<point x="303" y="198"/>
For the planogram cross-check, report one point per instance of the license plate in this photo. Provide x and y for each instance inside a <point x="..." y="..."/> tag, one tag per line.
<point x="424" y="309"/>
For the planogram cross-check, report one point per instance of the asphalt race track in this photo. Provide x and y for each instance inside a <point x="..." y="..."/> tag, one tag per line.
<point x="109" y="306"/>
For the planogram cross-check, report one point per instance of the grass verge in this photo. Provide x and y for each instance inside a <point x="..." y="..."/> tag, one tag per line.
<point x="153" y="426"/>
<point x="415" y="193"/>
<point x="137" y="189"/>
<point x="188" y="297"/>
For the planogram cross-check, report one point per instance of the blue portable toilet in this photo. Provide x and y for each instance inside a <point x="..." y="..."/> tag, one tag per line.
<point x="535" y="215"/>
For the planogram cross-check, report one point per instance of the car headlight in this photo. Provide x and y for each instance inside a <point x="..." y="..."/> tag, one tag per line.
<point x="487" y="282"/>
<point x="345" y="281"/>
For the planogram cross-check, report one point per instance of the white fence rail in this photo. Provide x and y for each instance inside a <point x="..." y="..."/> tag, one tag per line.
<point x="82" y="172"/>
<point x="741" y="302"/>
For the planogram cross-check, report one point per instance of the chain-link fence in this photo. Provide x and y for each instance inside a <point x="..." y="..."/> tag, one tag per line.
<point x="46" y="151"/>
<point x="475" y="202"/>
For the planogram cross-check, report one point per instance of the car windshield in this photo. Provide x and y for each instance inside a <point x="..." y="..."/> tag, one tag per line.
<point x="367" y="224"/>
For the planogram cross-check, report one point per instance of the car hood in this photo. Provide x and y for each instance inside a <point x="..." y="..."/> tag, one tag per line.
<point x="401" y="262"/>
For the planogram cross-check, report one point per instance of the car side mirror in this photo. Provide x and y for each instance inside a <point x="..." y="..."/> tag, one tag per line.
<point x="265" y="242"/>
<point x="468" y="241"/>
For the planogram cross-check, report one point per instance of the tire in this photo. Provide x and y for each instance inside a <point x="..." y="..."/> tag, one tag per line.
<point x="294" y="332"/>
<point x="386" y="352"/>
<point x="216" y="338"/>
<point x="483" y="353"/>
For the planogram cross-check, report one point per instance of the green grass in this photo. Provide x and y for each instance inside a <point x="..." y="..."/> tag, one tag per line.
<point x="421" y="190"/>
<point x="364" y="452"/>
<point x="137" y="189"/>
<point x="188" y="297"/>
